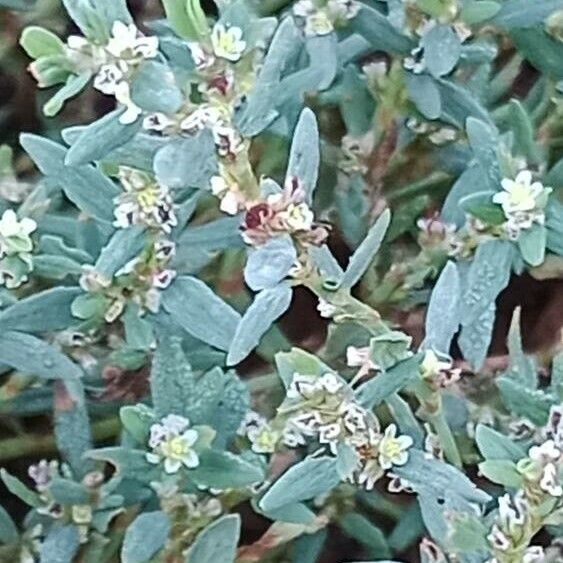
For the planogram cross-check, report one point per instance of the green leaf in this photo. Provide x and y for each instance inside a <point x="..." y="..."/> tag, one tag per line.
<point x="85" y="186"/>
<point x="96" y="17"/>
<point x="129" y="463"/>
<point x="138" y="330"/>
<point x="481" y="206"/>
<point x="390" y="348"/>
<point x="524" y="133"/>
<point x="524" y="402"/>
<point x="67" y="492"/>
<point x="442" y="315"/>
<point x="217" y="542"/>
<point x="438" y="479"/>
<point x="186" y="18"/>
<point x="459" y="103"/>
<point x="8" y="530"/>
<point x="154" y="88"/>
<point x="123" y="246"/>
<point x="374" y="391"/>
<point x="475" y="336"/>
<point x="270" y="263"/>
<point x="425" y="95"/>
<point x="298" y="361"/>
<point x="266" y="308"/>
<point x="303" y="481"/>
<point x="377" y="29"/>
<point x="36" y="357"/>
<point x="60" y="545"/>
<point x="74" y="84"/>
<point x="532" y="243"/>
<point x="468" y="533"/>
<point x="138" y="419"/>
<point x="17" y="488"/>
<point x="522" y="14"/>
<point x="304" y="156"/>
<point x="173" y="386"/>
<point x="543" y="51"/>
<point x="477" y="11"/>
<point x="358" y="527"/>
<point x="145" y="536"/>
<point x="502" y="472"/>
<point x="442" y="49"/>
<point x="40" y="42"/>
<point x="99" y="138"/>
<point x="224" y="470"/>
<point x="200" y="312"/>
<point x="522" y="368"/>
<point x="46" y="311"/>
<point x="484" y="141"/>
<point x="494" y="445"/>
<point x="72" y="430"/>
<point x="187" y="162"/>
<point x="361" y="260"/>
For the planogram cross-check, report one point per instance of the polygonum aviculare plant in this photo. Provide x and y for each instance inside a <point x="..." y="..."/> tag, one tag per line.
<point x="254" y="284"/>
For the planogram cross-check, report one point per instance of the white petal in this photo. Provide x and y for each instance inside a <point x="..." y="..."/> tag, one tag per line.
<point x="172" y="465"/>
<point x="524" y="177"/>
<point x="190" y="436"/>
<point x="191" y="460"/>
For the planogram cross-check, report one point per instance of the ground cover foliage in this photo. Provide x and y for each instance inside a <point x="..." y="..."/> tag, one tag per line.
<point x="201" y="174"/>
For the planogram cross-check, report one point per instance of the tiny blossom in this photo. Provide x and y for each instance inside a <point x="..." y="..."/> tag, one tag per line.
<point x="326" y="309"/>
<point x="123" y="96"/>
<point x="172" y="443"/>
<point x="297" y="217"/>
<point x="554" y="427"/>
<point x="398" y="484"/>
<point x="438" y="372"/>
<point x="550" y="481"/>
<point x="230" y="198"/>
<point x="534" y="554"/>
<point x="127" y="42"/>
<point x="523" y="202"/>
<point x="14" y="233"/>
<point x="227" y="141"/>
<point x="227" y="42"/>
<point x="107" y="79"/>
<point x="42" y="473"/>
<point x="545" y="452"/>
<point x="202" y="59"/>
<point x="443" y="135"/>
<point x="512" y="511"/>
<point x="393" y="449"/>
<point x="318" y="23"/>
<point x="202" y="117"/>
<point x="415" y="61"/>
<point x="157" y="122"/>
<point x="143" y="202"/>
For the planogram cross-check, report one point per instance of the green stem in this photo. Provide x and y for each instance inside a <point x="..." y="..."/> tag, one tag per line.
<point x="420" y="187"/>
<point x="33" y="444"/>
<point x="447" y="440"/>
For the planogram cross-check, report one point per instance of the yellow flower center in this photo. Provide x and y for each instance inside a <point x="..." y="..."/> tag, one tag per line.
<point x="520" y="195"/>
<point x="147" y="197"/>
<point x="176" y="448"/>
<point x="390" y="449"/>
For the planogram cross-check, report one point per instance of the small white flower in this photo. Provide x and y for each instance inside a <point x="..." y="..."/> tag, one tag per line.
<point x="303" y="8"/>
<point x="202" y="59"/>
<point x="156" y="122"/>
<point x="307" y="422"/>
<point x="292" y="438"/>
<point x="330" y="383"/>
<point x="204" y="116"/>
<point x="107" y="79"/>
<point x="550" y="481"/>
<point x="498" y="540"/>
<point x="393" y="449"/>
<point x="534" y="554"/>
<point x="251" y="422"/>
<point x="227" y="43"/>
<point x="172" y="443"/>
<point x="163" y="279"/>
<point x="11" y="227"/>
<point x="325" y="309"/>
<point x="329" y="433"/>
<point x="357" y="357"/>
<point x="227" y="140"/>
<point x="127" y="42"/>
<point x="301" y="386"/>
<point x="545" y="453"/>
<point x="298" y="217"/>
<point x="318" y="23"/>
<point x="443" y="135"/>
<point x="354" y="417"/>
<point x="521" y="194"/>
<point x="554" y="427"/>
<point x="123" y="96"/>
<point x="264" y="440"/>
<point x="512" y="511"/>
<point x="415" y="62"/>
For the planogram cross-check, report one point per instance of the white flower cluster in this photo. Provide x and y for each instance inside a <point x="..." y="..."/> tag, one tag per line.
<point x="140" y="281"/>
<point x="523" y="202"/>
<point x="257" y="429"/>
<point x="15" y="249"/>
<point x="172" y="443"/>
<point x="548" y="459"/>
<point x="323" y="409"/>
<point x="321" y="17"/>
<point x="115" y="62"/>
<point x="143" y="202"/>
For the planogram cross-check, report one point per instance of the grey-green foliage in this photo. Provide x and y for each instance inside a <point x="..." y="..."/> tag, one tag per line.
<point x="217" y="542"/>
<point x="146" y="535"/>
